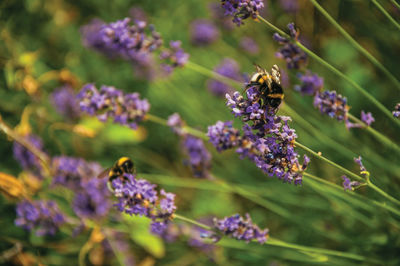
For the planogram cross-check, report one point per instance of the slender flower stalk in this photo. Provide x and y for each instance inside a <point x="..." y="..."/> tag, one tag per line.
<point x="386" y="14"/>
<point x="202" y="70"/>
<point x="356" y="44"/>
<point x="319" y="156"/>
<point x="334" y="70"/>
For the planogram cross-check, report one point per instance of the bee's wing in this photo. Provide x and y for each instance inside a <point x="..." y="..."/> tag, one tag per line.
<point x="104" y="173"/>
<point x="258" y="68"/>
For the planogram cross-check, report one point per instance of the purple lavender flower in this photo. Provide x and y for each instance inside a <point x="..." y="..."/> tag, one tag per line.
<point x="311" y="83"/>
<point x="120" y="39"/>
<point x="295" y="57"/>
<point x="175" y="56"/>
<point x="242" y="9"/>
<point x="348" y="184"/>
<point x="218" y="16"/>
<point x="241" y="228"/>
<point x="26" y="158"/>
<point x="124" y="109"/>
<point x="267" y="139"/>
<point x="290" y="6"/>
<point x="199" y="158"/>
<point x="223" y="136"/>
<point x="396" y="112"/>
<point x="363" y="170"/>
<point x="92" y="200"/>
<point x="367" y="118"/>
<point x="139" y="197"/>
<point x="176" y="123"/>
<point x="72" y="172"/>
<point x="64" y="101"/>
<point x="42" y="216"/>
<point x="332" y="104"/>
<point x="203" y="32"/>
<point x="228" y="68"/>
<point x="249" y="45"/>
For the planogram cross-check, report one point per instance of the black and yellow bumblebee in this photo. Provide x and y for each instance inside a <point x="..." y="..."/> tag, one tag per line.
<point x="123" y="165"/>
<point x="269" y="85"/>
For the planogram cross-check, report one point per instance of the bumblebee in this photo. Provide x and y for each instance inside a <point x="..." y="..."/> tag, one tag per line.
<point x="269" y="84"/>
<point x="123" y="165"/>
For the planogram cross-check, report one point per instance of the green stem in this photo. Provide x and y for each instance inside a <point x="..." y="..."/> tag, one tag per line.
<point x="189" y="130"/>
<point x="356" y="44"/>
<point x="188" y="220"/>
<point x="319" y="156"/>
<point x="278" y="243"/>
<point x="396" y="4"/>
<point x="16" y="137"/>
<point x="357" y="177"/>
<point x="394" y="22"/>
<point x="364" y="199"/>
<point x="350" y="81"/>
<point x="212" y="74"/>
<point x="376" y="133"/>
<point x="337" y="72"/>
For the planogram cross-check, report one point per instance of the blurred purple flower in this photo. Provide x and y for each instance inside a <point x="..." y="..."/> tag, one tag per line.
<point x="42" y="216"/>
<point x="124" y="109"/>
<point x="332" y="104"/>
<point x="65" y="102"/>
<point x="121" y="39"/>
<point x="175" y="56"/>
<point x="203" y="32"/>
<point x="295" y="57"/>
<point x="199" y="158"/>
<point x="218" y="16"/>
<point x="26" y="158"/>
<point x="290" y="6"/>
<point x="73" y="173"/>
<point x="228" y="68"/>
<point x="241" y="228"/>
<point x="367" y="118"/>
<point x="139" y="197"/>
<point x="242" y="9"/>
<point x="311" y="83"/>
<point x="396" y="112"/>
<point x="348" y="184"/>
<point x="92" y="200"/>
<point x="249" y="45"/>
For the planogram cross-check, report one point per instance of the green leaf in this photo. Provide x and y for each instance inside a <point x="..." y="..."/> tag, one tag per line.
<point x="139" y="228"/>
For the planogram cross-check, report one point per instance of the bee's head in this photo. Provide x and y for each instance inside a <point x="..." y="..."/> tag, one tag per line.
<point x="127" y="165"/>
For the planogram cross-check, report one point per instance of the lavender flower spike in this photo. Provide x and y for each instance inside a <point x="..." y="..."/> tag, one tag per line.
<point x="241" y="228"/>
<point x="109" y="102"/>
<point x="203" y="32"/>
<point x="396" y="112"/>
<point x="367" y="118"/>
<point x="199" y="159"/>
<point x="64" y="101"/>
<point x="242" y="9"/>
<point x="139" y="197"/>
<point x="332" y="104"/>
<point x="228" y="68"/>
<point x="26" y="158"/>
<point x="349" y="185"/>
<point x="291" y="53"/>
<point x="311" y="83"/>
<point x="42" y="216"/>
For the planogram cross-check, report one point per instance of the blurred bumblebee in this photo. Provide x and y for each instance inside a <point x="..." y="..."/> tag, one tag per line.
<point x="123" y="165"/>
<point x="269" y="84"/>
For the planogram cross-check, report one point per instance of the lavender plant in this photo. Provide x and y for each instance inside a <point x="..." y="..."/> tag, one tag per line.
<point x="102" y="214"/>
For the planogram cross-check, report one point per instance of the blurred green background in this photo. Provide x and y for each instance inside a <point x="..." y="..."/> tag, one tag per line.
<point x="39" y="37"/>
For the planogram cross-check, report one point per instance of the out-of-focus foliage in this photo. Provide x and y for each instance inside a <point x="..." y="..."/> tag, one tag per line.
<point x="41" y="50"/>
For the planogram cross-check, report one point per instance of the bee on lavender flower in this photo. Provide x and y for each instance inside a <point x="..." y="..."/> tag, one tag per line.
<point x="123" y="165"/>
<point x="269" y="85"/>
